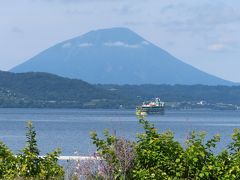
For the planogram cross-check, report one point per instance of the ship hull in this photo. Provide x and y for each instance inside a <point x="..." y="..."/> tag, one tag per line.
<point x="152" y="110"/>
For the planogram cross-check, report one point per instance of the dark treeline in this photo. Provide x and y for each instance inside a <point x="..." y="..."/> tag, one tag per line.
<point x="47" y="90"/>
<point x="179" y="93"/>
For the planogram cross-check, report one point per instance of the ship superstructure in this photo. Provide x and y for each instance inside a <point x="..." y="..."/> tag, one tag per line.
<point x="152" y="107"/>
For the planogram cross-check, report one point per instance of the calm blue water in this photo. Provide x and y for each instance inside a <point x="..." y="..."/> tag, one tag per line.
<point x="69" y="128"/>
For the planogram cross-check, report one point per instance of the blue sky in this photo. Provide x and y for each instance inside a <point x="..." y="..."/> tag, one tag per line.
<point x="203" y="33"/>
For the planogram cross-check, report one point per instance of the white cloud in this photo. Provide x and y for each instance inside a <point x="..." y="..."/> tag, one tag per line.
<point x="85" y="45"/>
<point x="121" y="44"/>
<point x="66" y="45"/>
<point x="217" y="47"/>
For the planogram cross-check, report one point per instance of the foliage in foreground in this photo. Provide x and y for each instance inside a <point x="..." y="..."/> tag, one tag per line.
<point x="153" y="156"/>
<point x="28" y="164"/>
<point x="158" y="156"/>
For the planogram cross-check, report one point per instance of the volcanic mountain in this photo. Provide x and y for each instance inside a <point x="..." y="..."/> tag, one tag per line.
<point x="116" y="56"/>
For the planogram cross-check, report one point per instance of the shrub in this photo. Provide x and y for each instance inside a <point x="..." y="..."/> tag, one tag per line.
<point x="117" y="156"/>
<point x="8" y="163"/>
<point x="154" y="155"/>
<point x="28" y="164"/>
<point x="158" y="156"/>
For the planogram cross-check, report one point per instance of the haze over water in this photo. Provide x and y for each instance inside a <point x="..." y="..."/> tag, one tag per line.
<point x="69" y="129"/>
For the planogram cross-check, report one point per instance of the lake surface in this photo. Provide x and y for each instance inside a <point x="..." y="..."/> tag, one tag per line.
<point x="69" y="128"/>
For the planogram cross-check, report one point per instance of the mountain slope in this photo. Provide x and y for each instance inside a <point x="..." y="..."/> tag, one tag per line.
<point x="116" y="56"/>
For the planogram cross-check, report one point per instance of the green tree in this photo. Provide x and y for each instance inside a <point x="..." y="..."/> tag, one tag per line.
<point x="29" y="159"/>
<point x="31" y="142"/>
<point x="199" y="158"/>
<point x="158" y="156"/>
<point x="31" y="165"/>
<point x="50" y="169"/>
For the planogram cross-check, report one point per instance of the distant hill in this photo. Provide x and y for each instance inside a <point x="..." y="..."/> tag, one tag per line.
<point x="43" y="90"/>
<point x="179" y="93"/>
<point x="116" y="56"/>
<point x="48" y="90"/>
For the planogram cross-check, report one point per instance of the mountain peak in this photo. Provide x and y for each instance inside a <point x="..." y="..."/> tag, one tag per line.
<point x="116" y="56"/>
<point x="116" y="29"/>
<point x="111" y="35"/>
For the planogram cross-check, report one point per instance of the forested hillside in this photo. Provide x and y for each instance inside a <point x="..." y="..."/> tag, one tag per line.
<point x="52" y="91"/>
<point x="179" y="93"/>
<point x="47" y="90"/>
